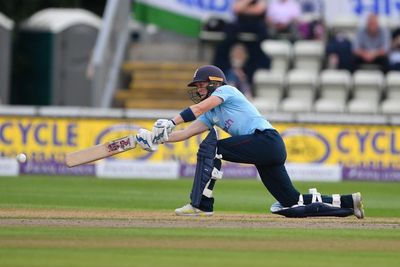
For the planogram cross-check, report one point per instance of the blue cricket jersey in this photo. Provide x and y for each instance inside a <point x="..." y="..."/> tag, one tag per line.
<point x="235" y="115"/>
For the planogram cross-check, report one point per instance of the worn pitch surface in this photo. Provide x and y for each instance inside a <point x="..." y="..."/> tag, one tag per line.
<point x="154" y="219"/>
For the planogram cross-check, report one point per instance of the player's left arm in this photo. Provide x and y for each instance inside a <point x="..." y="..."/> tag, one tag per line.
<point x="162" y="129"/>
<point x="197" y="127"/>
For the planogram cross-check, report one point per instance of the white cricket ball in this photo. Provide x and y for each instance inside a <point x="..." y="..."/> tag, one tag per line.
<point x="21" y="158"/>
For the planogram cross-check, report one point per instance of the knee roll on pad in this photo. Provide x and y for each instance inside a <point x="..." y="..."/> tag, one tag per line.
<point x="207" y="168"/>
<point x="201" y="178"/>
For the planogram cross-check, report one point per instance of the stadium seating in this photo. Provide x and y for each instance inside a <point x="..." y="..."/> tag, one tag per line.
<point x="388" y="23"/>
<point x="334" y="91"/>
<point x="296" y="81"/>
<point x="345" y="24"/>
<point x="367" y="91"/>
<point x="269" y="89"/>
<point x="280" y="52"/>
<point x="308" y="54"/>
<point x="212" y="32"/>
<point x="301" y="90"/>
<point x="339" y="91"/>
<point x="391" y="105"/>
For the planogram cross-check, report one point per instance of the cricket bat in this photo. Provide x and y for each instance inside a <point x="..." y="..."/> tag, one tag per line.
<point x="100" y="151"/>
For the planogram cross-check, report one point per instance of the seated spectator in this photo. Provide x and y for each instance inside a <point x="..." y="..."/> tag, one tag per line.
<point x="249" y="17"/>
<point x="339" y="53"/>
<point x="311" y="25"/>
<point x="282" y="19"/>
<point x="394" y="54"/>
<point x="371" y="45"/>
<point x="236" y="75"/>
<point x="312" y="7"/>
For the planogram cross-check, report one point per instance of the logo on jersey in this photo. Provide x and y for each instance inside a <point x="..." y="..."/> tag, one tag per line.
<point x="215" y="120"/>
<point x="228" y="123"/>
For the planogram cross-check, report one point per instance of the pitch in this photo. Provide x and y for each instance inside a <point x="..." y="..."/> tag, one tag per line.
<point x="66" y="221"/>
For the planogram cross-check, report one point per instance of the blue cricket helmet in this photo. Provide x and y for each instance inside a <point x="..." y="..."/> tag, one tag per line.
<point x="208" y="73"/>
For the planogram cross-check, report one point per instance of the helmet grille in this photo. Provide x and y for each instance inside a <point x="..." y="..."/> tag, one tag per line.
<point x="194" y="95"/>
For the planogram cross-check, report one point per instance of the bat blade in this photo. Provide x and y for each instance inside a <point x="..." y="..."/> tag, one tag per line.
<point x="100" y="151"/>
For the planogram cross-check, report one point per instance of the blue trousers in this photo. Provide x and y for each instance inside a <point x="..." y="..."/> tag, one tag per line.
<point x="267" y="151"/>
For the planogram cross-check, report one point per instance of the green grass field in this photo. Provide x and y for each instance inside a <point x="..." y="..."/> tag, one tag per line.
<point x="35" y="229"/>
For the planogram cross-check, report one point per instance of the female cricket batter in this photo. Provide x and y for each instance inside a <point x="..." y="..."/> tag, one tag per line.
<point x="253" y="140"/>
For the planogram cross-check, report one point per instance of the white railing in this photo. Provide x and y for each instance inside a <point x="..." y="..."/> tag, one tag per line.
<point x="109" y="51"/>
<point x="285" y="117"/>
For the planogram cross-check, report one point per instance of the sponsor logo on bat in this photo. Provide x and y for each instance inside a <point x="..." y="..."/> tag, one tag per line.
<point x="120" y="144"/>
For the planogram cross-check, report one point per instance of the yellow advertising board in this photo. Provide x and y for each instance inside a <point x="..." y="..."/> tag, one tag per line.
<point x="45" y="139"/>
<point x="351" y="145"/>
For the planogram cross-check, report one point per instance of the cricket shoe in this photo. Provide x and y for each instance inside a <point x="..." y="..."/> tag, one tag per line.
<point x="189" y="210"/>
<point x="358" y="205"/>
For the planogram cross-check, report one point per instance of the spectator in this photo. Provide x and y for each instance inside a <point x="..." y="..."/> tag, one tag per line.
<point x="394" y="54"/>
<point x="236" y="75"/>
<point x="311" y="25"/>
<point x="282" y="19"/>
<point x="371" y="45"/>
<point x="312" y="7"/>
<point x="249" y="17"/>
<point x="339" y="52"/>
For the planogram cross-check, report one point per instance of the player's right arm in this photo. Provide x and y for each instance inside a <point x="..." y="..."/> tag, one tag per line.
<point x="197" y="127"/>
<point x="199" y="108"/>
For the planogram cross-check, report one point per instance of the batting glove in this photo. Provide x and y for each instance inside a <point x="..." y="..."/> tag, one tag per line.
<point x="161" y="129"/>
<point x="145" y="140"/>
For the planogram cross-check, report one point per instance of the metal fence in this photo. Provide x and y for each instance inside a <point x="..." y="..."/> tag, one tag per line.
<point x="109" y="51"/>
<point x="275" y="117"/>
<point x="6" y="27"/>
